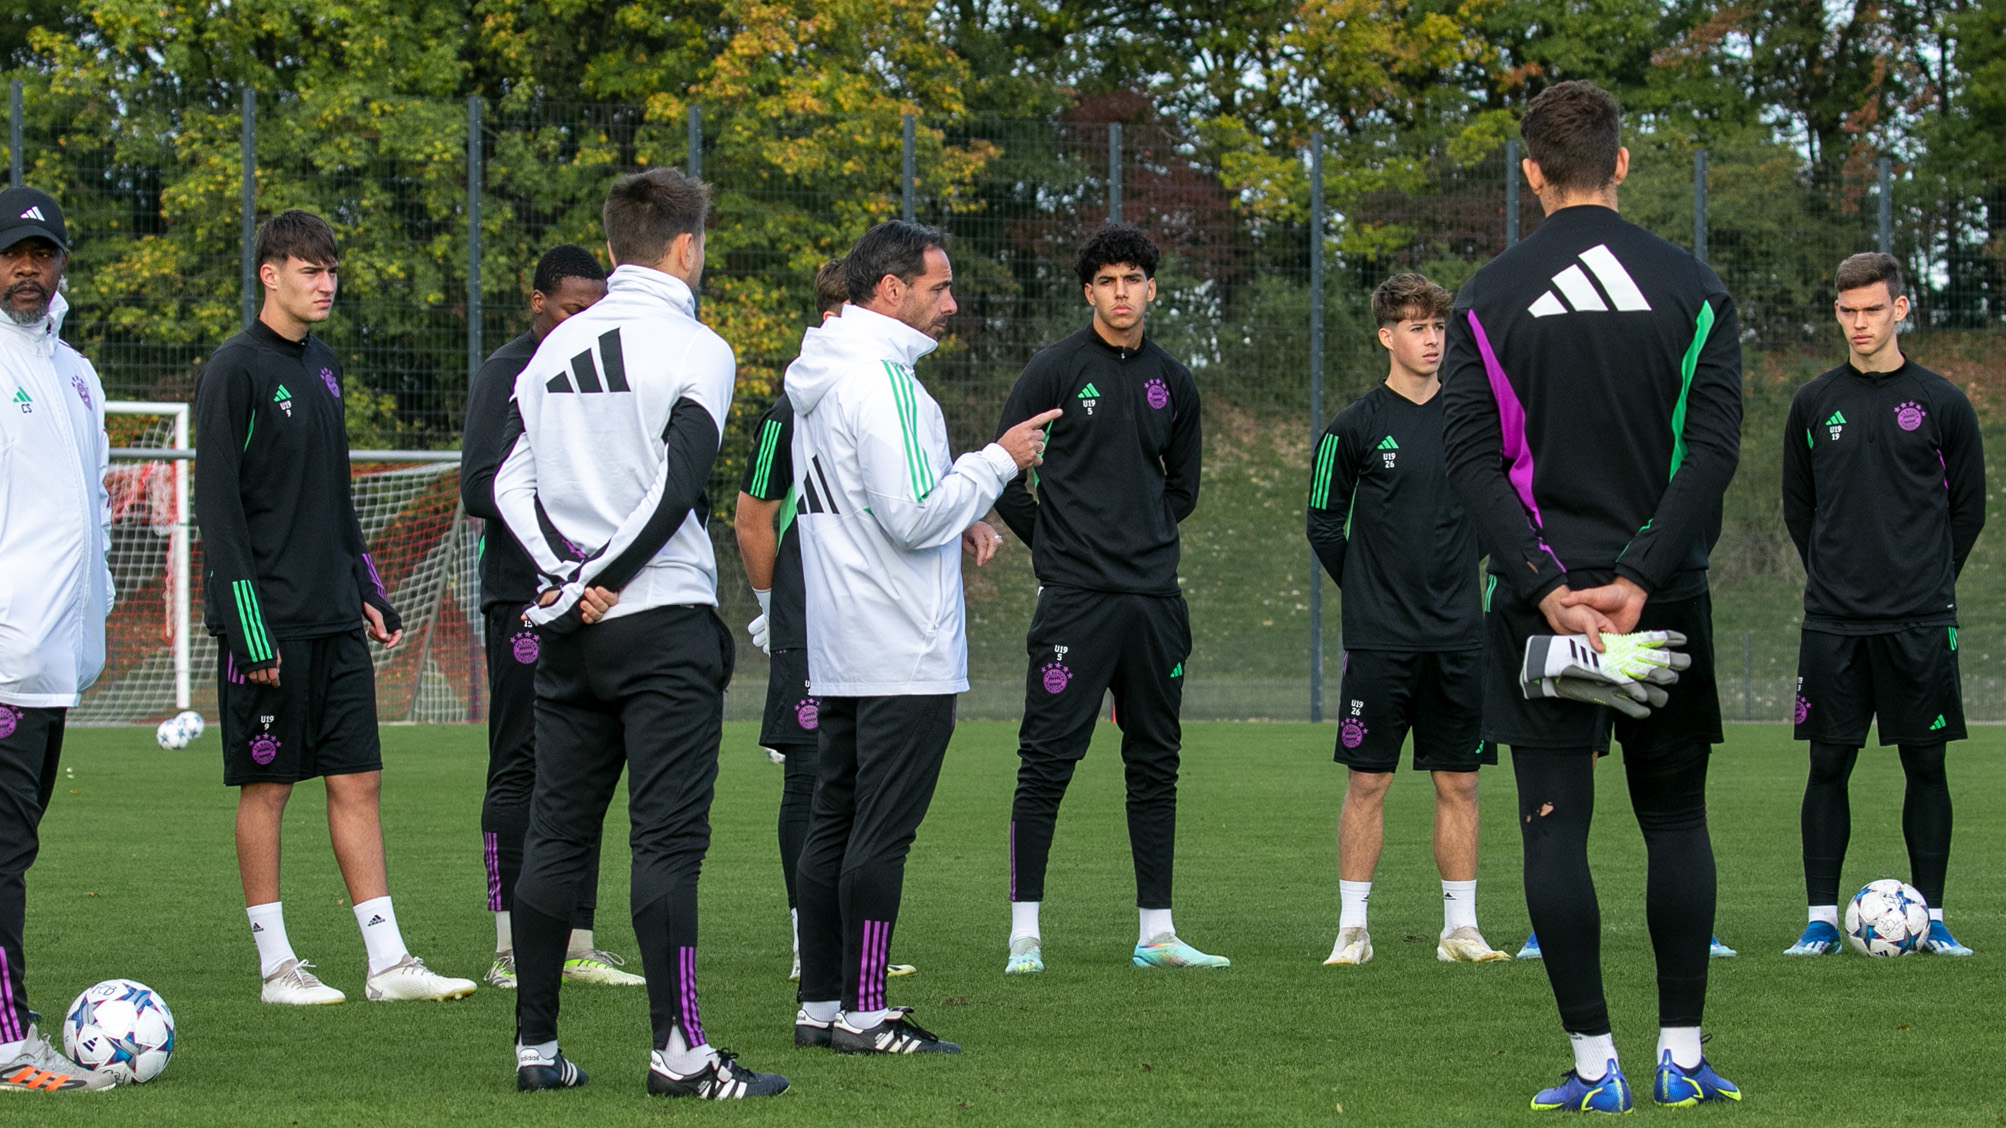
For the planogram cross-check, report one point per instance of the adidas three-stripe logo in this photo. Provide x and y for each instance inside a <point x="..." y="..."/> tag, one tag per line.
<point x="35" y="213"/>
<point x="587" y="373"/>
<point x="1387" y="443"/>
<point x="1581" y="294"/>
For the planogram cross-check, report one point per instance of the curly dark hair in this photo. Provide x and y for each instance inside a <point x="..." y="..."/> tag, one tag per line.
<point x="1116" y="243"/>
<point x="1408" y="297"/>
<point x="566" y="260"/>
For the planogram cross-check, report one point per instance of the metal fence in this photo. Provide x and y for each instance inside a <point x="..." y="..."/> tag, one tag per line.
<point x="1271" y="253"/>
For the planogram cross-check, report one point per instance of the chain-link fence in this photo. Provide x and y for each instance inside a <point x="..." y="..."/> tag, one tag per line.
<point x="440" y="235"/>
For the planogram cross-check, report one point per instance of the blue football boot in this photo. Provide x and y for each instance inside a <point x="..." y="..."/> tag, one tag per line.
<point x="1719" y="951"/>
<point x="1609" y="1094"/>
<point x="1679" y="1087"/>
<point x="1819" y="939"/>
<point x="1531" y="949"/>
<point x="1941" y="942"/>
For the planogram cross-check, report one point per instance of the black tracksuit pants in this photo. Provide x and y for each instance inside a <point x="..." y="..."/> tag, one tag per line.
<point x="1082" y="644"/>
<point x="881" y="758"/>
<point x="643" y="692"/>
<point x="512" y="650"/>
<point x="797" y="797"/>
<point x="31" y="745"/>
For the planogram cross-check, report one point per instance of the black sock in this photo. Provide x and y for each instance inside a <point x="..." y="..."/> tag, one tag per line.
<point x="1926" y="819"/>
<point x="1826" y="820"/>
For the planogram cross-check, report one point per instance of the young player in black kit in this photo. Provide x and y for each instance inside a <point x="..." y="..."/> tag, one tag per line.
<point x="1120" y="473"/>
<point x="1400" y="548"/>
<point x="1884" y="495"/>
<point x="1592" y="390"/>
<point x="770" y="545"/>
<point x="289" y="591"/>
<point x="613" y="427"/>
<point x="567" y="279"/>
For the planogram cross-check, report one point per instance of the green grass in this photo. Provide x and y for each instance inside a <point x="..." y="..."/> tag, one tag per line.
<point x="137" y="879"/>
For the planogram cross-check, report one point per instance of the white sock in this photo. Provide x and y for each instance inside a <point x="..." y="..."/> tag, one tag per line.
<point x="504" y="934"/>
<point x="1827" y="913"/>
<point x="823" y="1012"/>
<point x="1682" y="1042"/>
<point x="11" y="1050"/>
<point x="794" y="926"/>
<point x="1351" y="898"/>
<point x="268" y="928"/>
<point x="1023" y="920"/>
<point x="1593" y="1054"/>
<point x="1936" y="914"/>
<point x="1155" y="922"/>
<point x="1459" y="905"/>
<point x="378" y="922"/>
<point x="681" y="1058"/>
<point x="864" y="1020"/>
<point x="581" y="943"/>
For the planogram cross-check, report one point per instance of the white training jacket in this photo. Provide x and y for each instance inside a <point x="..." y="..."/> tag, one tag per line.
<point x="881" y="505"/>
<point x="590" y="459"/>
<point x="55" y="516"/>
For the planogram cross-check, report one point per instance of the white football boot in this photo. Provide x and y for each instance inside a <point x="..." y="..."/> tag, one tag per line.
<point x="409" y="978"/>
<point x="1354" y="946"/>
<point x="1466" y="945"/>
<point x="293" y="985"/>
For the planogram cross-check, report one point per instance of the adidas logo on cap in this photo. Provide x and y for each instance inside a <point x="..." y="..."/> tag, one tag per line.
<point x="34" y="213"/>
<point x="1581" y="294"/>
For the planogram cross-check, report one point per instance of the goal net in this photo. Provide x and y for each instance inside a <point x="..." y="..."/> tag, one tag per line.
<point x="158" y="657"/>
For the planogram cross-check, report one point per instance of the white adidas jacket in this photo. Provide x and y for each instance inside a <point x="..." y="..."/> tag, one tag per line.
<point x="882" y="506"/>
<point x="591" y="457"/>
<point x="55" y="516"/>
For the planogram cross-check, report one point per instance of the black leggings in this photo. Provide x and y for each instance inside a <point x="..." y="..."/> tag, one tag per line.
<point x="1828" y="820"/>
<point x="1556" y="803"/>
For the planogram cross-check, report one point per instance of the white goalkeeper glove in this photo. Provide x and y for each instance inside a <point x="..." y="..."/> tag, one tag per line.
<point x="1625" y="675"/>
<point x="758" y="629"/>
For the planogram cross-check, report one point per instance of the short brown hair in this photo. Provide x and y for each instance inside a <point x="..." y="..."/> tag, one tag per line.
<point x="646" y="211"/>
<point x="1867" y="268"/>
<point x="831" y="290"/>
<point x="1408" y="297"/>
<point x="1572" y="132"/>
<point x="296" y="233"/>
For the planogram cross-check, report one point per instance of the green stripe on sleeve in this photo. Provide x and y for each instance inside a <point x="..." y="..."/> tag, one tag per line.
<point x="762" y="462"/>
<point x="257" y="643"/>
<point x="1326" y="461"/>
<point x="917" y="466"/>
<point x="1686" y="369"/>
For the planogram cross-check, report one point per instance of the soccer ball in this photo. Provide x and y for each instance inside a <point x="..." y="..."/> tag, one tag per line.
<point x="1887" y="918"/>
<point x="121" y="1027"/>
<point x="192" y="724"/>
<point x="172" y="734"/>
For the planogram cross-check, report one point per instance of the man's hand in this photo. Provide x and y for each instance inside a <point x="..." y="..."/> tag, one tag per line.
<point x="1567" y="615"/>
<point x="372" y="622"/>
<point x="593" y="605"/>
<point x="1622" y="601"/>
<point x="269" y="676"/>
<point x="1025" y="443"/>
<point x="981" y="541"/>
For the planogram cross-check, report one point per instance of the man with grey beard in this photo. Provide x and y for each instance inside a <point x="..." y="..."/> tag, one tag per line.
<point x="55" y="523"/>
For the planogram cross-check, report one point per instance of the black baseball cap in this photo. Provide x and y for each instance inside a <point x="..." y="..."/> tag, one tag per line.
<point x="26" y="213"/>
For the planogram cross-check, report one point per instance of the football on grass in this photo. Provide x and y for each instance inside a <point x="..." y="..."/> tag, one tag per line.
<point x="121" y="1027"/>
<point x="1887" y="918"/>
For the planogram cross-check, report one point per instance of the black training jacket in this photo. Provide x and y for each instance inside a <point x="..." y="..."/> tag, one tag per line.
<point x="769" y="476"/>
<point x="1389" y="530"/>
<point x="282" y="553"/>
<point x="1121" y="465"/>
<point x="1884" y="493"/>
<point x="507" y="575"/>
<point x="1592" y="391"/>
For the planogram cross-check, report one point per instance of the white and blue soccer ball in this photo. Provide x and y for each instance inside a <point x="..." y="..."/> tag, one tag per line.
<point x="1887" y="918"/>
<point x="121" y="1027"/>
<point x="179" y="731"/>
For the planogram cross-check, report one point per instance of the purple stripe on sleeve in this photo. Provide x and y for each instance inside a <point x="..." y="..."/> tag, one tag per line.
<point x="10" y="1022"/>
<point x="374" y="578"/>
<point x="491" y="855"/>
<point x="1511" y="422"/>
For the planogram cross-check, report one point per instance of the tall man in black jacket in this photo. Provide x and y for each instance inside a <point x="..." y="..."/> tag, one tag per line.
<point x="1592" y="388"/>
<point x="567" y="279"/>
<point x="1884" y="495"/>
<point x="1120" y="473"/>
<point x="289" y="591"/>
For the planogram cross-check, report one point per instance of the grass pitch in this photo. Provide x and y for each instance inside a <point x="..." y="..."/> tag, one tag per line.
<point x="137" y="879"/>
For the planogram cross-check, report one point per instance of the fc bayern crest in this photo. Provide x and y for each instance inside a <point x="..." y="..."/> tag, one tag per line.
<point x="9" y="721"/>
<point x="264" y="748"/>
<point x="525" y="647"/>
<point x="1909" y="416"/>
<point x="83" y="390"/>
<point x="1803" y="709"/>
<point x="333" y="385"/>
<point x="1054" y="674"/>
<point x="808" y="714"/>
<point x="1158" y="395"/>
<point x="1352" y="732"/>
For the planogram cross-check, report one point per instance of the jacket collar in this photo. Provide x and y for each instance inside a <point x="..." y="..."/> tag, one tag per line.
<point x="646" y="281"/>
<point x="272" y="338"/>
<point x="901" y="342"/>
<point x="41" y="335"/>
<point x="1111" y="348"/>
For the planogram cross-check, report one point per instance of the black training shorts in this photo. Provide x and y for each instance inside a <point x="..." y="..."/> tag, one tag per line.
<point x="1692" y="715"/>
<point x="1908" y="680"/>
<point x="1437" y="694"/>
<point x="793" y="715"/>
<point x="320" y="720"/>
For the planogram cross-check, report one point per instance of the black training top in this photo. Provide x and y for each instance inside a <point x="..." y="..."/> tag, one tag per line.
<point x="1389" y="531"/>
<point x="769" y="476"/>
<point x="282" y="552"/>
<point x="508" y="577"/>
<point x="1592" y="397"/>
<point x="1884" y="493"/>
<point x="1120" y="470"/>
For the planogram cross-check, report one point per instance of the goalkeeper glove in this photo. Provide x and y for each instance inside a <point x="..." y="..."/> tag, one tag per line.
<point x="1625" y="675"/>
<point x="759" y="628"/>
<point x="1636" y="699"/>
